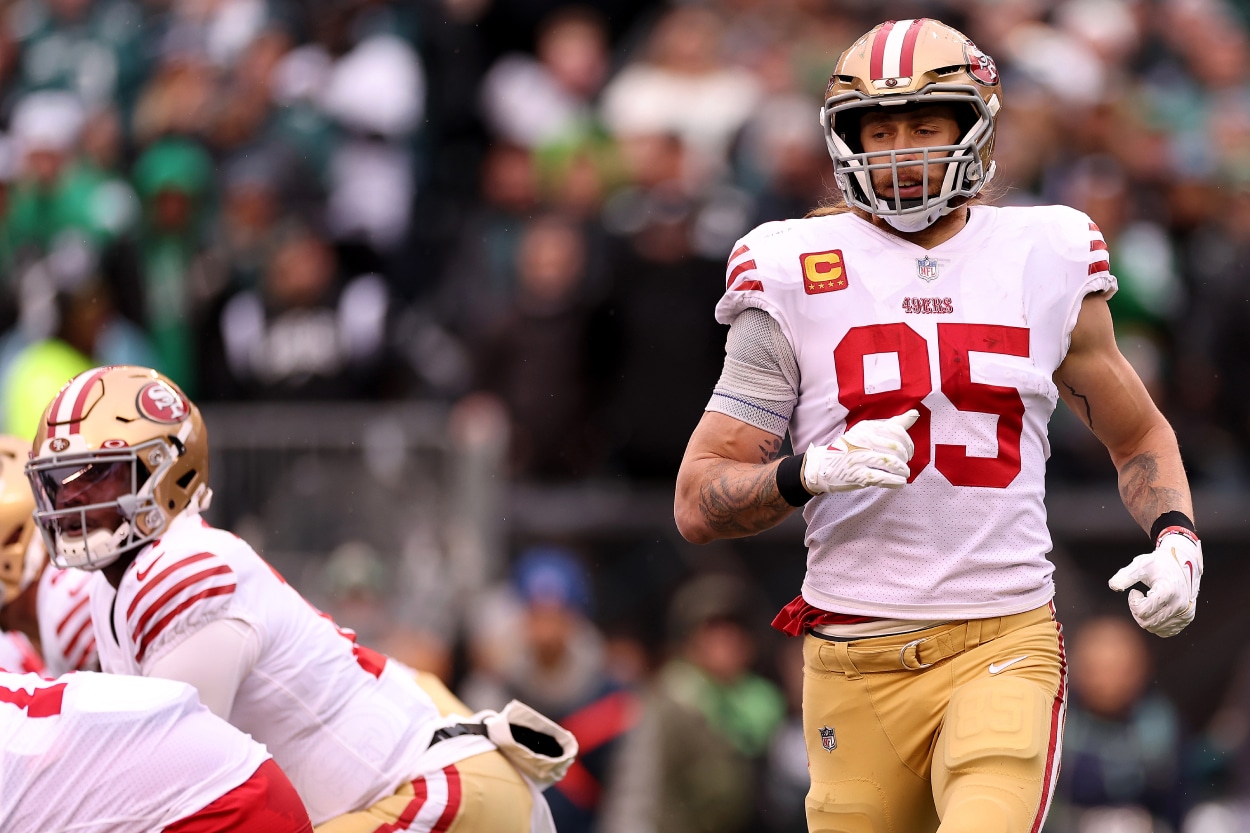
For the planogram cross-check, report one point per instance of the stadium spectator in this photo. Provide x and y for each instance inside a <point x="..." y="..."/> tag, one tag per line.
<point x="174" y="181"/>
<point x="695" y="761"/>
<point x="684" y="84"/>
<point x="549" y="97"/>
<point x="58" y="192"/>
<point x="480" y="281"/>
<point x="308" y="332"/>
<point x="376" y="93"/>
<point x="786" y="778"/>
<point x="560" y="666"/>
<point x="542" y="360"/>
<point x="1122" y="747"/>
<point x="660" y="248"/>
<point x="86" y="330"/>
<point x="94" y="50"/>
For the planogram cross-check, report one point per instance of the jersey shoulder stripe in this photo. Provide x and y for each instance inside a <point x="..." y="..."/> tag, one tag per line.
<point x="78" y="652"/>
<point x="737" y="273"/>
<point x="64" y="610"/>
<point x="77" y="647"/>
<point x="145" y="642"/>
<point x="180" y="588"/>
<point x="147" y="585"/>
<point x="68" y="618"/>
<point x="1099" y="258"/>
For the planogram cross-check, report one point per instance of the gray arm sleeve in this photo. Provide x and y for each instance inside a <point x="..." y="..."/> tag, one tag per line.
<point x="759" y="384"/>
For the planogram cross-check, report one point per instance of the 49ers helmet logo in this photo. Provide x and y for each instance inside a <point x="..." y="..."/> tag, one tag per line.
<point x="981" y="66"/>
<point x="160" y="403"/>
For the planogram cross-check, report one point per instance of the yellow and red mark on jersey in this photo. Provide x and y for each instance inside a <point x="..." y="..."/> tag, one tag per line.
<point x="823" y="272"/>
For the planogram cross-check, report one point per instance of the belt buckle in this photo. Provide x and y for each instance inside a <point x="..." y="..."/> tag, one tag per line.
<point x="902" y="656"/>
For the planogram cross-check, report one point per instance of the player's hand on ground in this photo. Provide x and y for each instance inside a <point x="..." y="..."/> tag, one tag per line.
<point x="874" y="452"/>
<point x="1172" y="572"/>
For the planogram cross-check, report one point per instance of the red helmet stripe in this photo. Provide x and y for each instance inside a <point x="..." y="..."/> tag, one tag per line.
<point x="66" y="411"/>
<point x="878" y="49"/>
<point x="908" y="54"/>
<point x="80" y="404"/>
<point x="56" y="406"/>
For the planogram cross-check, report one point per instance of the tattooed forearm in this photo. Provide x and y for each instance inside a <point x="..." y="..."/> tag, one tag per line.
<point x="740" y="500"/>
<point x="1143" y="495"/>
<point x="1089" y="414"/>
<point x="770" y="449"/>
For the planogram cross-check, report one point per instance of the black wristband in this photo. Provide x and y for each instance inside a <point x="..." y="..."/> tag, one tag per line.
<point x="790" y="481"/>
<point x="1172" y="518"/>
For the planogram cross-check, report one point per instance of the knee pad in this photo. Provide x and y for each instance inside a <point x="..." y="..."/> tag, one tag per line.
<point x="846" y="807"/>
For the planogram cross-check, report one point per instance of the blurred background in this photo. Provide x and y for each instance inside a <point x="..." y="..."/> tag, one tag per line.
<point x="441" y="275"/>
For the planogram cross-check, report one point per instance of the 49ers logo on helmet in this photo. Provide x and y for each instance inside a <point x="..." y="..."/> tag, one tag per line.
<point x="980" y="66"/>
<point x="161" y="403"/>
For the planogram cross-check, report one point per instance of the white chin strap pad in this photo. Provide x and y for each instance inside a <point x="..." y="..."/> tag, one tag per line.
<point x="91" y="551"/>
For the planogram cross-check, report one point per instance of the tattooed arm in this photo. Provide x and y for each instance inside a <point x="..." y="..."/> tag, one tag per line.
<point x="727" y="484"/>
<point x="1100" y="387"/>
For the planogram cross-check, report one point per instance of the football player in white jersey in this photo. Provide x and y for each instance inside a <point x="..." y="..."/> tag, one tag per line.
<point x="120" y="476"/>
<point x="43" y="605"/>
<point x="914" y="344"/>
<point x="97" y="753"/>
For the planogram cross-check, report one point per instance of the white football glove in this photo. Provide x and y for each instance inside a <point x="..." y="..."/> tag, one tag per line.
<point x="1172" y="572"/>
<point x="874" y="452"/>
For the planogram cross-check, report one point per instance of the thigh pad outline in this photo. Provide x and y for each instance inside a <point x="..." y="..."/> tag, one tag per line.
<point x="995" y="719"/>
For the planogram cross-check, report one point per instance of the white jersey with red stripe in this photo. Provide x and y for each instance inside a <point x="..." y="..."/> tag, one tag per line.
<point x="92" y="753"/>
<point x="65" y="635"/>
<point x="345" y="725"/>
<point x="969" y="333"/>
<point x="18" y="656"/>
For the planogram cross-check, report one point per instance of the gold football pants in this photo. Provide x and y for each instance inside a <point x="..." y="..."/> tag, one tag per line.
<point x="955" y="728"/>
<point x="481" y="794"/>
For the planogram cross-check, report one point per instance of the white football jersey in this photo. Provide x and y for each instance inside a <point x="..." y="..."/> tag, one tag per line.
<point x="345" y="725"/>
<point x="95" y="753"/>
<point x="65" y="635"/>
<point x="969" y="333"/>
<point x="17" y="655"/>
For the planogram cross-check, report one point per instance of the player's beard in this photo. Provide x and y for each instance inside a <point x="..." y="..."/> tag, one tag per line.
<point x="910" y="177"/>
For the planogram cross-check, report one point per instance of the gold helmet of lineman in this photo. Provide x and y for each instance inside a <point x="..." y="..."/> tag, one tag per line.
<point x="119" y="453"/>
<point x="910" y="63"/>
<point x="22" y="553"/>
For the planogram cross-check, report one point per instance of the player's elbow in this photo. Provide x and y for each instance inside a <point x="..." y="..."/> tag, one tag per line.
<point x="690" y="522"/>
<point x="695" y="533"/>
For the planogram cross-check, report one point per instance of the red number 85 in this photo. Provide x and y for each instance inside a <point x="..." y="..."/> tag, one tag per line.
<point x="955" y="342"/>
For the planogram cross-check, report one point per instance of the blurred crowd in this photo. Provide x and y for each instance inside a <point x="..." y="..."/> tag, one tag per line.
<point x="532" y="202"/>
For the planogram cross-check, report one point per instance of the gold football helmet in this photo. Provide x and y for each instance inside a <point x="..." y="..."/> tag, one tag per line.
<point x="119" y="453"/>
<point x="912" y="62"/>
<point x="22" y="553"/>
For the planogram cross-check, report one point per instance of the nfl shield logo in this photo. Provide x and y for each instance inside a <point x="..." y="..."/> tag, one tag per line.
<point x="827" y="739"/>
<point x="927" y="269"/>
